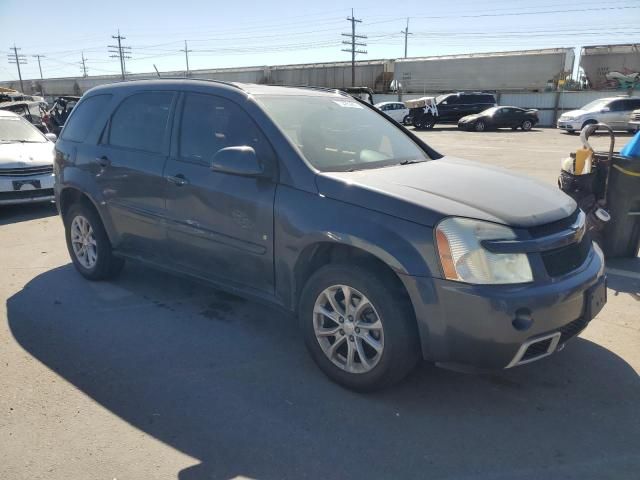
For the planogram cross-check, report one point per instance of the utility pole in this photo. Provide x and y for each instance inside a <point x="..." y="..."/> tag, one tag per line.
<point x="18" y="59"/>
<point x="406" y="34"/>
<point x="120" y="51"/>
<point x="39" y="67"/>
<point x="353" y="45"/>
<point x="84" y="66"/>
<point x="186" y="55"/>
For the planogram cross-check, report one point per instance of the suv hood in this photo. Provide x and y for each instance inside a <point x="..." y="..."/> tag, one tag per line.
<point x="429" y="191"/>
<point x="17" y="155"/>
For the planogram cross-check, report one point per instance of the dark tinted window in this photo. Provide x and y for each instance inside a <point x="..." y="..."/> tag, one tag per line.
<point x="140" y="122"/>
<point x="84" y="118"/>
<point x="617" y="105"/>
<point x="485" y="98"/>
<point x="211" y="123"/>
<point x="632" y="104"/>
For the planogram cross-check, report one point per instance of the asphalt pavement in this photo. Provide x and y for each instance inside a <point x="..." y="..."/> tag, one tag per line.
<point x="152" y="376"/>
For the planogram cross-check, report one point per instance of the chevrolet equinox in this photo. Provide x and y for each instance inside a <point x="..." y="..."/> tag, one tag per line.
<point x="385" y="250"/>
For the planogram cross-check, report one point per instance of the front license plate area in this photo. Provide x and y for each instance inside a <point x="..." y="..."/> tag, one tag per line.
<point x="596" y="299"/>
<point x="26" y="185"/>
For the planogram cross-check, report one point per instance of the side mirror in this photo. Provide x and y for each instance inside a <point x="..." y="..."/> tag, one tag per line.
<point x="605" y="110"/>
<point x="52" y="137"/>
<point x="240" y="160"/>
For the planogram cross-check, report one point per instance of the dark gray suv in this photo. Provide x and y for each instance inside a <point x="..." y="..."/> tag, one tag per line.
<point x="386" y="250"/>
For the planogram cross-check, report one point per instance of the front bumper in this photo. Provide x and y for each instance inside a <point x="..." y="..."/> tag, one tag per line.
<point x="27" y="193"/>
<point x="486" y="326"/>
<point x="571" y="125"/>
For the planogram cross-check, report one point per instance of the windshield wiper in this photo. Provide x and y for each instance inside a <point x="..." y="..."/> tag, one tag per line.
<point x="409" y="162"/>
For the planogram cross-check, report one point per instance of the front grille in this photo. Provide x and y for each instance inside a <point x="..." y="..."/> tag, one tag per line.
<point x="554" y="227"/>
<point x="537" y="349"/>
<point x="22" y="194"/>
<point x="636" y="117"/>
<point x="572" y="329"/>
<point x="563" y="260"/>
<point x="26" y="171"/>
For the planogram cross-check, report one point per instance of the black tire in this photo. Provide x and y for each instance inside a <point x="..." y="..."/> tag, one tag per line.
<point x="526" y="125"/>
<point x="401" y="346"/>
<point x="480" y="126"/>
<point x="106" y="265"/>
<point x="406" y="120"/>
<point x="570" y="132"/>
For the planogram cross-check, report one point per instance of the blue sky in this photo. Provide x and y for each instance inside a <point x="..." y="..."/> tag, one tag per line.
<point x="234" y="34"/>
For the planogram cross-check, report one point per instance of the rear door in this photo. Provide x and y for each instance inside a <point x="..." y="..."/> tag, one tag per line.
<point x="130" y="163"/>
<point x="220" y="225"/>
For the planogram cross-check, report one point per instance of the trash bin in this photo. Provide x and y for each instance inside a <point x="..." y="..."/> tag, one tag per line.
<point x="621" y="236"/>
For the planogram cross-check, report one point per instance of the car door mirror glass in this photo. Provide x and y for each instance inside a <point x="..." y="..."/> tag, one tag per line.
<point x="52" y="137"/>
<point x="605" y="110"/>
<point x="238" y="160"/>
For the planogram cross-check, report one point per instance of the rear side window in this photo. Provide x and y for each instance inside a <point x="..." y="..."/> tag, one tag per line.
<point x="489" y="99"/>
<point x="141" y="121"/>
<point x="85" y="116"/>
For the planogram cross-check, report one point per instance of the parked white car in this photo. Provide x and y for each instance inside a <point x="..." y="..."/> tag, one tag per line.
<point x="396" y="110"/>
<point x="26" y="161"/>
<point x="614" y="111"/>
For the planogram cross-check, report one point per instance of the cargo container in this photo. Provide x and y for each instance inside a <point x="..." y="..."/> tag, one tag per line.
<point x="532" y="70"/>
<point x="614" y="67"/>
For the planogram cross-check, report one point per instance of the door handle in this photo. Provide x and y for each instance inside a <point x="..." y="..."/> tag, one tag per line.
<point x="103" y="161"/>
<point x="178" y="180"/>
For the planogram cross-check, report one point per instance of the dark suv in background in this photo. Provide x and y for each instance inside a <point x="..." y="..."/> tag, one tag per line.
<point x="317" y="202"/>
<point x="451" y="107"/>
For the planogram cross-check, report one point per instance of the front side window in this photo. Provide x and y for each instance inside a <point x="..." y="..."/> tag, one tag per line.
<point x="210" y="123"/>
<point x="85" y="117"/>
<point x="617" y="106"/>
<point x="336" y="133"/>
<point x="141" y="121"/>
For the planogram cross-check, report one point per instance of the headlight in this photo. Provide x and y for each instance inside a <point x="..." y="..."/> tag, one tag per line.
<point x="463" y="258"/>
<point x="567" y="119"/>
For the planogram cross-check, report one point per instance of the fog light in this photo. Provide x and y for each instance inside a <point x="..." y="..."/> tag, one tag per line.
<point x="522" y="320"/>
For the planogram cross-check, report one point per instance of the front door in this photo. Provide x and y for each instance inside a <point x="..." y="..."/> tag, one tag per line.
<point x="220" y="225"/>
<point x="129" y="171"/>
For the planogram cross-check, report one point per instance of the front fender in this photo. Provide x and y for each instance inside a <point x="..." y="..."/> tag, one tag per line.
<point x="304" y="219"/>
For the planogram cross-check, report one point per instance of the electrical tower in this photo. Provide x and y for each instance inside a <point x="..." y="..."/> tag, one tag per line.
<point x="84" y="66"/>
<point x="120" y="51"/>
<point x="39" y="67"/>
<point x="17" y="59"/>
<point x="354" y="45"/>
<point x="406" y="34"/>
<point x="186" y="55"/>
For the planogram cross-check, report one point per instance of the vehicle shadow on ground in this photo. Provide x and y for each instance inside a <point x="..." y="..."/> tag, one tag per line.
<point x="454" y="128"/>
<point x="228" y="382"/>
<point x="10" y="214"/>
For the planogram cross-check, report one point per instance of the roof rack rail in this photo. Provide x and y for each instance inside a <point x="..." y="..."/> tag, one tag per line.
<point x="311" y="87"/>
<point x="230" y="84"/>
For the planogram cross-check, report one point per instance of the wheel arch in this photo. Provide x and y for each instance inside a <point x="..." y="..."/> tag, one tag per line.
<point x="70" y="195"/>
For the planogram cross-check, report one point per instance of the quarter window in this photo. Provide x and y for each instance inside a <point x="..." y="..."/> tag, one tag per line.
<point x="141" y="121"/>
<point x="210" y="123"/>
<point x="85" y="116"/>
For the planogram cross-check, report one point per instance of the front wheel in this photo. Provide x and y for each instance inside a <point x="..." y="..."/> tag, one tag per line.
<point x="406" y="120"/>
<point x="88" y="244"/>
<point x="480" y="126"/>
<point x="359" y="329"/>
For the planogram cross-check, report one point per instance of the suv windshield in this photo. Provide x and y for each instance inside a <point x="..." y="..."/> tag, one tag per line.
<point x="340" y="134"/>
<point x="18" y="130"/>
<point x="596" y="105"/>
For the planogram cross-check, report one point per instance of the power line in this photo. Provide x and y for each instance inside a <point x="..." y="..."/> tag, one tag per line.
<point x="354" y="45"/>
<point x="120" y="51"/>
<point x="17" y="59"/>
<point x="406" y="34"/>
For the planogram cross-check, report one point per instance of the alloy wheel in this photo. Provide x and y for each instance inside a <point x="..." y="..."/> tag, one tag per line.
<point x="348" y="329"/>
<point x="83" y="241"/>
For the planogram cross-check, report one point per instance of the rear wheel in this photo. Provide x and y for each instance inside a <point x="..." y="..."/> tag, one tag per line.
<point x="358" y="328"/>
<point x="88" y="244"/>
<point x="527" y="125"/>
<point x="480" y="126"/>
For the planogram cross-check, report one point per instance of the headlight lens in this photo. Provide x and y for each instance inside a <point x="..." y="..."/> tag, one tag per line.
<point x="463" y="258"/>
